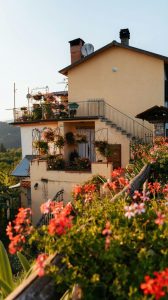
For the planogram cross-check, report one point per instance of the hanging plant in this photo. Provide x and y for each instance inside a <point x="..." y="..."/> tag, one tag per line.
<point x="81" y="138"/>
<point x="104" y="148"/>
<point x="70" y="138"/>
<point x="37" y="96"/>
<point x="48" y="135"/>
<point x="42" y="146"/>
<point x="59" y="141"/>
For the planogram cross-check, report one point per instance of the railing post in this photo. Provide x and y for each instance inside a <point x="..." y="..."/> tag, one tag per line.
<point x="98" y="108"/>
<point x="133" y="128"/>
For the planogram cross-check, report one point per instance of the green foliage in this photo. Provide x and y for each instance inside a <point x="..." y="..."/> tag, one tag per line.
<point x="2" y="148"/>
<point x="56" y="162"/>
<point x="24" y="262"/>
<point x="103" y="147"/>
<point x="6" y="278"/>
<point x="7" y="282"/>
<point x="8" y="161"/>
<point x="8" y="197"/>
<point x="70" y="138"/>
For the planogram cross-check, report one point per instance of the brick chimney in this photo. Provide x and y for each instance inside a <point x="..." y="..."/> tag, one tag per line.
<point x="75" y="49"/>
<point x="125" y="36"/>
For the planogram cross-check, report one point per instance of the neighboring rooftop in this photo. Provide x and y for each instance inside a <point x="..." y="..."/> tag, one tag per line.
<point x="22" y="169"/>
<point x="154" y="114"/>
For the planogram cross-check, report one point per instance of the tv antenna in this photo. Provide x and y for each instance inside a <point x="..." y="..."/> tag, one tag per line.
<point x="65" y="82"/>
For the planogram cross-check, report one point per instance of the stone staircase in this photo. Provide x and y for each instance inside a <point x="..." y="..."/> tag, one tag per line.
<point x="125" y="125"/>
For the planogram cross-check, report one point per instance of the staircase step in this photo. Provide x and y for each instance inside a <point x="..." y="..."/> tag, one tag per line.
<point x="119" y="128"/>
<point x="108" y="122"/>
<point x="113" y="125"/>
<point x="124" y="132"/>
<point x="102" y="119"/>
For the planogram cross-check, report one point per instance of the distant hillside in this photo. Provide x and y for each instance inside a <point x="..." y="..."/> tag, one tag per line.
<point x="9" y="136"/>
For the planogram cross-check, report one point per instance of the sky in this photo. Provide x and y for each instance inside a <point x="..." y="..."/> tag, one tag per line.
<point x="34" y="37"/>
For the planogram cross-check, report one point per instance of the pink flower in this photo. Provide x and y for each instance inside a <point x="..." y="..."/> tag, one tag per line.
<point x="165" y="191"/>
<point x="107" y="230"/>
<point x="133" y="209"/>
<point x="107" y="233"/>
<point x="130" y="211"/>
<point x="140" y="208"/>
<point x="46" y="207"/>
<point x="137" y="194"/>
<point x="145" y="197"/>
<point x="40" y="264"/>
<point x="160" y="218"/>
<point x="88" y="198"/>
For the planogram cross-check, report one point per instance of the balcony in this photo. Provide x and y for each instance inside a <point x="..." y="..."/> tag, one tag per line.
<point x="84" y="110"/>
<point x="57" y="111"/>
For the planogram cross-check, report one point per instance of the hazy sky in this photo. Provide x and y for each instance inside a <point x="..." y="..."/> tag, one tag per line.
<point x="34" y="37"/>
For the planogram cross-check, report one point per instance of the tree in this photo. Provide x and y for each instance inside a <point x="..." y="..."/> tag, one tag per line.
<point x="2" y="148"/>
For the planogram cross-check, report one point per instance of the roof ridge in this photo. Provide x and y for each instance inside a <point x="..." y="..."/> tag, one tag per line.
<point x="65" y="70"/>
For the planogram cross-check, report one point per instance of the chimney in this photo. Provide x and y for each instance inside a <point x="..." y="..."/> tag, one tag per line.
<point x="75" y="49"/>
<point x="125" y="36"/>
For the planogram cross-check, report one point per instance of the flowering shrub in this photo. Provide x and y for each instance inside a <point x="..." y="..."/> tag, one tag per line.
<point x="112" y="247"/>
<point x="115" y="249"/>
<point x="157" y="155"/>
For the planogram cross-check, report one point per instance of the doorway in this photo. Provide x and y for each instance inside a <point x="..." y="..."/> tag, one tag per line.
<point x="87" y="149"/>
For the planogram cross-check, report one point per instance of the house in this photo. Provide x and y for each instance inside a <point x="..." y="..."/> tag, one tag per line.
<point x="107" y="89"/>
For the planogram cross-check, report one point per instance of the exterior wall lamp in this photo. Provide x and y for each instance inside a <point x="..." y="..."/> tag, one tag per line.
<point x="36" y="186"/>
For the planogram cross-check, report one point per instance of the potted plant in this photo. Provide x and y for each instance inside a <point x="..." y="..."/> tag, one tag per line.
<point x="56" y="162"/>
<point x="42" y="146"/>
<point x="48" y="135"/>
<point x="47" y="110"/>
<point x="23" y="108"/>
<point x="83" y="163"/>
<point x="70" y="138"/>
<point x="101" y="147"/>
<point x="73" y="108"/>
<point x="105" y="149"/>
<point x="37" y="96"/>
<point x="37" y="112"/>
<point x="81" y="138"/>
<point x="59" y="141"/>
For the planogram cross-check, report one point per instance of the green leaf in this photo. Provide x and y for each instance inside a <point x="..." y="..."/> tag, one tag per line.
<point x="6" y="289"/>
<point x="67" y="295"/>
<point x="5" y="267"/>
<point x="24" y="262"/>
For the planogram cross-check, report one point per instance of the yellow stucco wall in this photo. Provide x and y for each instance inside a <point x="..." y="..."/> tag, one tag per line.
<point x="58" y="180"/>
<point x="104" y="132"/>
<point x="137" y="85"/>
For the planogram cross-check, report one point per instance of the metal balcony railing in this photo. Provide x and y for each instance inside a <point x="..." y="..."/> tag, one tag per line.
<point x="95" y="108"/>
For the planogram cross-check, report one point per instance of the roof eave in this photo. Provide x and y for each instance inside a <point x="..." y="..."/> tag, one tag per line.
<point x="65" y="70"/>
